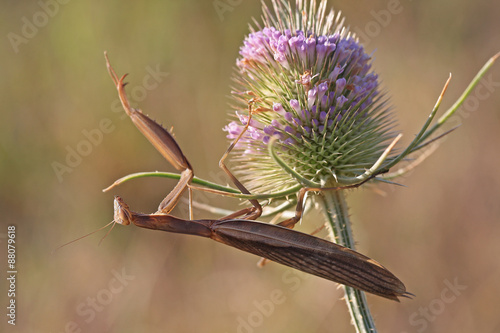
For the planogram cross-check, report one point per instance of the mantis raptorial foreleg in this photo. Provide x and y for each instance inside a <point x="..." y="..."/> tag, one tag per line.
<point x="161" y="139"/>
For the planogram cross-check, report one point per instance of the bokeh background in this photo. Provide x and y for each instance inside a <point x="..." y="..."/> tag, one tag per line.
<point x="439" y="234"/>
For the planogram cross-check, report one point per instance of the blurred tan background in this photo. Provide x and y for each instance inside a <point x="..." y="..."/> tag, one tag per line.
<point x="440" y="234"/>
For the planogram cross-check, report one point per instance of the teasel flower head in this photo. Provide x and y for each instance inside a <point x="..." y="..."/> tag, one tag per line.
<point x="313" y="97"/>
<point x="311" y="116"/>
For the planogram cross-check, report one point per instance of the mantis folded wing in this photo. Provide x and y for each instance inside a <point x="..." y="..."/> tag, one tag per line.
<point x="292" y="248"/>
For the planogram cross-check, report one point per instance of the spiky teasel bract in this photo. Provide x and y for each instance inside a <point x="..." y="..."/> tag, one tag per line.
<point x="315" y="93"/>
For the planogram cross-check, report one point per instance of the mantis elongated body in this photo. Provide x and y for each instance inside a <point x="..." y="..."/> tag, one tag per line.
<point x="277" y="243"/>
<point x="292" y="248"/>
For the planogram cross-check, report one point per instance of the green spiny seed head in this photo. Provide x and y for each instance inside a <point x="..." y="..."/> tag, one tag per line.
<point x="312" y="96"/>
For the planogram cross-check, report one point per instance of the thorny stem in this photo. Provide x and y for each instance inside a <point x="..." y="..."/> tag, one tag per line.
<point x="336" y="212"/>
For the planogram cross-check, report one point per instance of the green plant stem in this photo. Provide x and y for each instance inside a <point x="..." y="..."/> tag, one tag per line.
<point x="228" y="191"/>
<point x="336" y="212"/>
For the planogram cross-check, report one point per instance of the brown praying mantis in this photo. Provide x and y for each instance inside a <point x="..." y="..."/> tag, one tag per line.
<point x="278" y="243"/>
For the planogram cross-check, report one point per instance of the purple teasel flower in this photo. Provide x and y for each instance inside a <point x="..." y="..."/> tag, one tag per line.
<point x="325" y="109"/>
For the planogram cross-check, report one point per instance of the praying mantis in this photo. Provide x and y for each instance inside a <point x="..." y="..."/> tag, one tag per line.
<point x="275" y="242"/>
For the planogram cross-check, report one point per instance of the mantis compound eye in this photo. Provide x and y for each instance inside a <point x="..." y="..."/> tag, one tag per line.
<point x="121" y="212"/>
